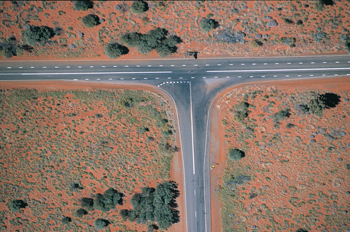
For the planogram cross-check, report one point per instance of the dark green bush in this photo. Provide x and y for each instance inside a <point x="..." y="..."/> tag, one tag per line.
<point x="16" y="205"/>
<point x="208" y="24"/>
<point x="241" y="111"/>
<point x="235" y="154"/>
<point x="101" y="223"/>
<point x="131" y="39"/>
<point x="281" y="115"/>
<point x="115" y="50"/>
<point x="299" y="22"/>
<point x="90" y="20"/>
<point x="87" y="203"/>
<point x="83" y="5"/>
<point x="66" y="220"/>
<point x="108" y="200"/>
<point x="36" y="34"/>
<point x="81" y="212"/>
<point x="139" y="7"/>
<point x="124" y="213"/>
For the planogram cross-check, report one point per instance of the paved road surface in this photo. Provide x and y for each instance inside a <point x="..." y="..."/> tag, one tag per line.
<point x="186" y="81"/>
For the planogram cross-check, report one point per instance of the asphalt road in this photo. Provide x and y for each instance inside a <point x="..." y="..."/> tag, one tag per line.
<point x="186" y="82"/>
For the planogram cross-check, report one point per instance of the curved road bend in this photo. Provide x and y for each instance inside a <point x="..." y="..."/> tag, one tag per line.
<point x="187" y="83"/>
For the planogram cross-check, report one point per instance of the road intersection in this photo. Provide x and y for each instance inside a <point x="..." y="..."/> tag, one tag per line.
<point x="193" y="86"/>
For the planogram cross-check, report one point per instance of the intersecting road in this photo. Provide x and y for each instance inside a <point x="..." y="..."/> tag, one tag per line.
<point x="187" y="82"/>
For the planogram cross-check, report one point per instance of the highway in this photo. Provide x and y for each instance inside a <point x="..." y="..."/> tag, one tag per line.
<point x="192" y="84"/>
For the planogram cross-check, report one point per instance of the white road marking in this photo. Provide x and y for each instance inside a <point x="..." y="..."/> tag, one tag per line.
<point x="219" y="64"/>
<point x="183" y="65"/>
<point x="145" y="78"/>
<point x="206" y="64"/>
<point x="231" y="64"/>
<point x="204" y="77"/>
<point x="194" y="192"/>
<point x="287" y="75"/>
<point x="324" y="62"/>
<point x="323" y="75"/>
<point x="86" y="79"/>
<point x="195" y="213"/>
<point x="149" y="65"/>
<point x="275" y="76"/>
<point x="103" y="66"/>
<point x="56" y="66"/>
<point x="312" y="62"/>
<point x="337" y="62"/>
<point x="8" y="67"/>
<point x="75" y="79"/>
<point x="91" y="66"/>
<point x="195" y="65"/>
<point x="289" y="63"/>
<point x="44" y="67"/>
<point x="157" y="78"/>
<point x="133" y="78"/>
<point x="194" y="168"/>
<point x="299" y="75"/>
<point x="311" y="75"/>
<point x="138" y="66"/>
<point x="169" y="77"/>
<point x="335" y="74"/>
<point x="31" y="67"/>
<point x="192" y="77"/>
<point x="88" y="73"/>
<point x="300" y="62"/>
<point x="265" y="63"/>
<point x="122" y="78"/>
<point x="276" y="70"/>
<point x="110" y="79"/>
<point x="216" y="77"/>
<point x="68" y="67"/>
<point x="262" y="76"/>
<point x="117" y="66"/>
<point x="250" y="76"/>
<point x="242" y="64"/>
<point x="79" y="67"/>
<point x="277" y="63"/>
<point x="126" y="66"/>
<point x="227" y="76"/>
<point x="253" y="63"/>
<point x="180" y="77"/>
<point x="160" y="65"/>
<point x="172" y="65"/>
<point x="348" y="74"/>
<point x="239" y="76"/>
<point x="98" y="79"/>
<point x="20" y="67"/>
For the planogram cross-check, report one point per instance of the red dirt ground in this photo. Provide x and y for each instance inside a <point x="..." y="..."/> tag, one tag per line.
<point x="222" y="104"/>
<point x="175" y="171"/>
<point x="183" y="19"/>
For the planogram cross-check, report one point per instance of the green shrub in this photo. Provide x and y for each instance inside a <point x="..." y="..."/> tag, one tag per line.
<point x="83" y="5"/>
<point x="66" y="220"/>
<point x="115" y="50"/>
<point x="139" y="7"/>
<point x="255" y="44"/>
<point x="241" y="111"/>
<point x="36" y="34"/>
<point x="108" y="200"/>
<point x="90" y="20"/>
<point x="124" y="213"/>
<point x="101" y="223"/>
<point x="208" y="24"/>
<point x="235" y="154"/>
<point x="87" y="203"/>
<point x="81" y="212"/>
<point x="281" y="115"/>
<point x="316" y="107"/>
<point x="16" y="205"/>
<point x="131" y="39"/>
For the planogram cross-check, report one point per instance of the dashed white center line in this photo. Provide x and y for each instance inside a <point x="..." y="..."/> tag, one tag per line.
<point x="204" y="77"/>
<point x="110" y="79"/>
<point x="195" y="65"/>
<point x="348" y="61"/>
<point x="172" y="65"/>
<point x="56" y="66"/>
<point x="239" y="76"/>
<point x="98" y="79"/>
<point x="265" y="63"/>
<point x="274" y="75"/>
<point x="337" y="62"/>
<point x="287" y="75"/>
<point x="335" y="74"/>
<point x="300" y="62"/>
<point x="216" y="77"/>
<point x="299" y="75"/>
<point x="138" y="66"/>
<point x="68" y="67"/>
<point x="180" y="77"/>
<point x="91" y="66"/>
<point x="122" y="78"/>
<point x="242" y="64"/>
<point x="183" y="65"/>
<point x="31" y="67"/>
<point x="9" y="67"/>
<point x="117" y="66"/>
<point x="324" y="62"/>
<point x="86" y="79"/>
<point x="44" y="67"/>
<point x="160" y="65"/>
<point x="348" y="74"/>
<point x="126" y="66"/>
<point x="250" y="76"/>
<point x="169" y="77"/>
<point x="194" y="192"/>
<point x="149" y="65"/>
<point x="103" y="66"/>
<point x="253" y="63"/>
<point x="20" y="67"/>
<point x="133" y="78"/>
<point x="262" y="76"/>
<point x="206" y="64"/>
<point x="227" y="76"/>
<point x="192" y="77"/>
<point x="289" y="63"/>
<point x="311" y="75"/>
<point x="277" y="63"/>
<point x="145" y="78"/>
<point x="75" y="79"/>
<point x="231" y="64"/>
<point x="323" y="75"/>
<point x="79" y="67"/>
<point x="219" y="64"/>
<point x="312" y="62"/>
<point x="157" y="78"/>
<point x="195" y="213"/>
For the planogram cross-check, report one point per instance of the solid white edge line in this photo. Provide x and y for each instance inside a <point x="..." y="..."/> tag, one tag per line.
<point x="278" y="70"/>
<point x="194" y="168"/>
<point x="88" y="73"/>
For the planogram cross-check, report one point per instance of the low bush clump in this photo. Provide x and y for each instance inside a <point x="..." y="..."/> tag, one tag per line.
<point x="81" y="212"/>
<point x="87" y="203"/>
<point x="139" y="7"/>
<point x="235" y="154"/>
<point x="322" y="102"/>
<point x="37" y="34"/>
<point x="83" y="5"/>
<point x="108" y="200"/>
<point x="241" y="111"/>
<point x="208" y="24"/>
<point x="281" y="115"/>
<point x="100" y="223"/>
<point x="115" y="50"/>
<point x="66" y="220"/>
<point x="16" y="205"/>
<point x="90" y="20"/>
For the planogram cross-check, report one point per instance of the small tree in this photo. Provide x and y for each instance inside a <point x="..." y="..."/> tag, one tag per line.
<point x="90" y="20"/>
<point x="124" y="213"/>
<point x="281" y="115"/>
<point x="81" y="212"/>
<point x="87" y="203"/>
<point x="139" y="7"/>
<point x="101" y="223"/>
<point x="235" y="154"/>
<point x="36" y="34"/>
<point x="83" y="5"/>
<point x="66" y="220"/>
<point x="208" y="24"/>
<point x="16" y="205"/>
<point x="115" y="50"/>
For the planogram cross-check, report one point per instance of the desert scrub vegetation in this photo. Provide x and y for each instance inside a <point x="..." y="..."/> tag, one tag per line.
<point x="83" y="5"/>
<point x="208" y="24"/>
<point x="115" y="50"/>
<point x="37" y="34"/>
<point x="90" y="20"/>
<point x="235" y="154"/>
<point x="16" y="205"/>
<point x="139" y="7"/>
<point x="94" y="140"/>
